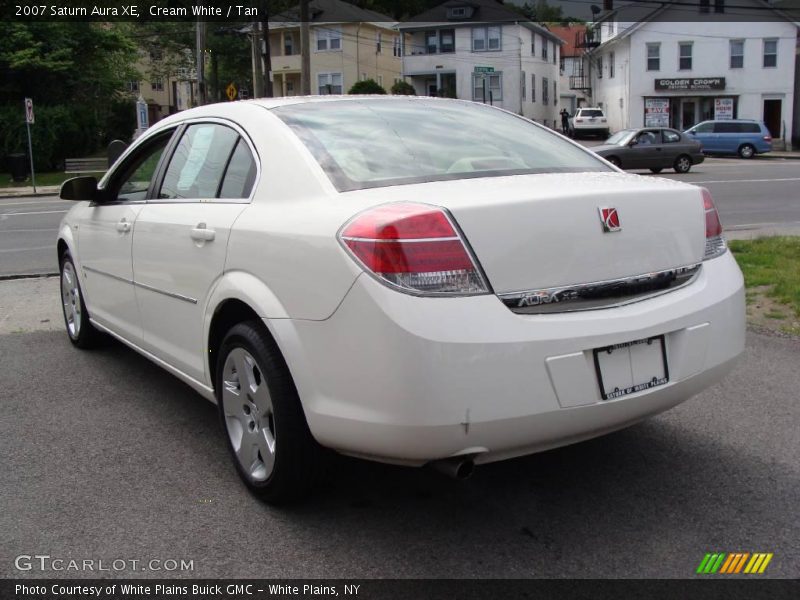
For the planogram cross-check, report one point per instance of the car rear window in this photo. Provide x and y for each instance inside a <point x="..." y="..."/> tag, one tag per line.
<point x="369" y="143"/>
<point x="591" y="112"/>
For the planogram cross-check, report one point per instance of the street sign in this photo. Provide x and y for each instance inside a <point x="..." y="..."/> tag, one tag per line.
<point x="479" y="69"/>
<point x="28" y="122"/>
<point x="29" y="111"/>
<point x="142" y="118"/>
<point x="231" y="91"/>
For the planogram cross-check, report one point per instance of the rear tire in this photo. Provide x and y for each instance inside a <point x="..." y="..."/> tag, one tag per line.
<point x="265" y="427"/>
<point x="682" y="164"/>
<point x="656" y="170"/>
<point x="80" y="330"/>
<point x="746" y="151"/>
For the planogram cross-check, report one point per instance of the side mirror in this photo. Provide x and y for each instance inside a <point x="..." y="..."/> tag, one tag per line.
<point x="632" y="143"/>
<point x="692" y="132"/>
<point x="79" y="188"/>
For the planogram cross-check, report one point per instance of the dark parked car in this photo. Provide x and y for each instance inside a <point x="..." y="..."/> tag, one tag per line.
<point x="653" y="148"/>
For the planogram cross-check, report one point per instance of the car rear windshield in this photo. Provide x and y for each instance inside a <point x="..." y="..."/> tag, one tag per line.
<point x="591" y="112"/>
<point x="369" y="143"/>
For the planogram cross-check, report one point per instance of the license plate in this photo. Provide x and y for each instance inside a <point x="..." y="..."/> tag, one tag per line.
<point x="631" y="367"/>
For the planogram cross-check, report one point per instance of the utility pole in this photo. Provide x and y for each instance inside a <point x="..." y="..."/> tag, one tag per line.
<point x="305" y="50"/>
<point x="200" y="48"/>
<point x="255" y="40"/>
<point x="267" y="51"/>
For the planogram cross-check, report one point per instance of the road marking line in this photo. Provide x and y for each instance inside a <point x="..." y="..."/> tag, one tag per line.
<point x="50" y="247"/>
<point x="29" y="202"/>
<point x="42" y="212"/>
<point x="746" y="180"/>
<point x="29" y="230"/>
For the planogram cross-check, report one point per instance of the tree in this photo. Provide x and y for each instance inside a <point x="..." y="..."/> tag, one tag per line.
<point x="367" y="86"/>
<point x="403" y="88"/>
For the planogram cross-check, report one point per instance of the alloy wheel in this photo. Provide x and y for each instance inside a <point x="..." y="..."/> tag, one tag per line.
<point x="249" y="415"/>
<point x="71" y="299"/>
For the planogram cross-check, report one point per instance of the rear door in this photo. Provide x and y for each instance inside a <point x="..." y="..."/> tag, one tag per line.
<point x="673" y="145"/>
<point x="728" y="135"/>
<point x="181" y="239"/>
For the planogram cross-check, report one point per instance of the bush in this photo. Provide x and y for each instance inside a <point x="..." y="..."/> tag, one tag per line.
<point x="368" y="86"/>
<point x="403" y="88"/>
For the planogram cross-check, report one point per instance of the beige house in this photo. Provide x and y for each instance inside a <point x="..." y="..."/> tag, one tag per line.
<point x="166" y="84"/>
<point x="348" y="44"/>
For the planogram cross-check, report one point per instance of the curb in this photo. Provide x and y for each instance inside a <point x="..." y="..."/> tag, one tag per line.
<point x="27" y="194"/>
<point x="27" y="276"/>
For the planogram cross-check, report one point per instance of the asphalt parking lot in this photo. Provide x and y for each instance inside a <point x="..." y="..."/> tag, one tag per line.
<point x="106" y="456"/>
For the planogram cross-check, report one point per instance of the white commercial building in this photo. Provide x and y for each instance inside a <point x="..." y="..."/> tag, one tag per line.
<point x="482" y="51"/>
<point x="658" y="72"/>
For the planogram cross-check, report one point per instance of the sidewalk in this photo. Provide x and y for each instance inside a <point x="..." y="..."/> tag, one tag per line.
<point x="27" y="191"/>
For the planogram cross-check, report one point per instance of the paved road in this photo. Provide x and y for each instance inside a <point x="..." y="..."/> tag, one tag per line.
<point x="105" y="456"/>
<point x="754" y="193"/>
<point x="28" y="228"/>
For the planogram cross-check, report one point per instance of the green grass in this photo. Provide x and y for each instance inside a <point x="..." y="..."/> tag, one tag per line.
<point x="772" y="262"/>
<point x="42" y="179"/>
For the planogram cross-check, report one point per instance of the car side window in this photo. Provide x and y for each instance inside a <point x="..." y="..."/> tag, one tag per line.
<point x="137" y="171"/>
<point x="240" y="174"/>
<point x="647" y="138"/>
<point x="751" y="128"/>
<point x="727" y="127"/>
<point x="671" y="136"/>
<point x="198" y="163"/>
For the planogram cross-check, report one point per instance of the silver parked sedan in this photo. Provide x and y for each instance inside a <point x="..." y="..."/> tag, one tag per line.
<point x="654" y="148"/>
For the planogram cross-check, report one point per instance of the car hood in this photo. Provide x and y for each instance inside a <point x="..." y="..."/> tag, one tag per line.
<point x="604" y="148"/>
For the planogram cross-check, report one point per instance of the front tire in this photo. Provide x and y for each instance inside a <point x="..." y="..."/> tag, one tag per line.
<point x="80" y="330"/>
<point x="682" y="164"/>
<point x="614" y="161"/>
<point x="747" y="151"/>
<point x="260" y="411"/>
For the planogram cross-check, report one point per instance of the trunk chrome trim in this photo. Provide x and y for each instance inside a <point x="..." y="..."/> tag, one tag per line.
<point x="143" y="285"/>
<point x="600" y="294"/>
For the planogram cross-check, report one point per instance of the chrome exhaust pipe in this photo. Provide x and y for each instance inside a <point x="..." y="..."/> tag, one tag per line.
<point x="457" y="467"/>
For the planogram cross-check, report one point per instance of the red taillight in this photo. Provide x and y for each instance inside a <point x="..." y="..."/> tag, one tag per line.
<point x="715" y="243"/>
<point x="414" y="247"/>
<point x="767" y="138"/>
<point x="579" y="120"/>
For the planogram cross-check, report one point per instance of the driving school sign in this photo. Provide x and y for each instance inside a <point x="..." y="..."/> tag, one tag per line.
<point x="690" y="84"/>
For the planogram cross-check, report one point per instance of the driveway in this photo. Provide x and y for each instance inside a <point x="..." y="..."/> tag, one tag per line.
<point x="106" y="456"/>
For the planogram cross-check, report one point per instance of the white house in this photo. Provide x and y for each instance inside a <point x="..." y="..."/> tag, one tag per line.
<point x="677" y="73"/>
<point x="483" y="51"/>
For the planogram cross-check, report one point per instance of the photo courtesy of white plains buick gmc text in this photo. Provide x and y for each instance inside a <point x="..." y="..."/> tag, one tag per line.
<point x="408" y="280"/>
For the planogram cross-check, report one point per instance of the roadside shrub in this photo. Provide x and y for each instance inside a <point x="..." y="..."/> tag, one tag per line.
<point x="368" y="86"/>
<point x="403" y="88"/>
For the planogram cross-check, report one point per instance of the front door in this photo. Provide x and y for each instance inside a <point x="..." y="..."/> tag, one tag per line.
<point x="688" y="110"/>
<point x="105" y="234"/>
<point x="181" y="240"/>
<point x="772" y="117"/>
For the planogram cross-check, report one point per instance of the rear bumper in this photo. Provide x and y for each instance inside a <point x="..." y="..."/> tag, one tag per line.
<point x="403" y="379"/>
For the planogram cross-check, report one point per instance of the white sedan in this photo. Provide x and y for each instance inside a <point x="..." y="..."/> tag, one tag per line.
<point x="409" y="280"/>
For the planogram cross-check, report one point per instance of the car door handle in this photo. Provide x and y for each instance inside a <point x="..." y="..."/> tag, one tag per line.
<point x="123" y="226"/>
<point x="202" y="234"/>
